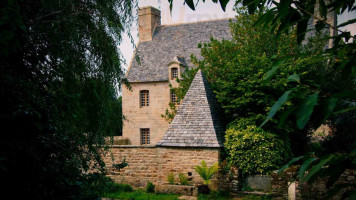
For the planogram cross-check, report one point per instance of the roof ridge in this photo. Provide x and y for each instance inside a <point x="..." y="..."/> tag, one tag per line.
<point x="203" y="21"/>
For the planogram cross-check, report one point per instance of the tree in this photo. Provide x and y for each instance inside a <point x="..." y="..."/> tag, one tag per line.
<point x="236" y="72"/>
<point x="327" y="99"/>
<point x="59" y="65"/>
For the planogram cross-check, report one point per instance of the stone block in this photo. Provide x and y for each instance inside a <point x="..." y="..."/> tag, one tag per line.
<point x="259" y="182"/>
<point x="187" y="190"/>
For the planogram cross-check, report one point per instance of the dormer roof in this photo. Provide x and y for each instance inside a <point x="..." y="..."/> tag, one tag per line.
<point x="178" y="60"/>
<point x="174" y="40"/>
<point x="197" y="122"/>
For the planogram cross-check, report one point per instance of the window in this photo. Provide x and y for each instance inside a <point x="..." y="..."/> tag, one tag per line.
<point x="174" y="98"/>
<point x="174" y="73"/>
<point x="145" y="136"/>
<point x="144" y="98"/>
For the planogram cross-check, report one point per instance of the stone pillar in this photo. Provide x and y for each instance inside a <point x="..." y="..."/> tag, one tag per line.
<point x="291" y="191"/>
<point x="148" y="19"/>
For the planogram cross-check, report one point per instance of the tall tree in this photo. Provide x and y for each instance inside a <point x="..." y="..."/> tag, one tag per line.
<point x="59" y="65"/>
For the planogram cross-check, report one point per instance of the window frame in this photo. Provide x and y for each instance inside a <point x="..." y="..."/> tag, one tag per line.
<point x="144" y="98"/>
<point x="174" y="98"/>
<point x="174" y="73"/>
<point x="145" y="136"/>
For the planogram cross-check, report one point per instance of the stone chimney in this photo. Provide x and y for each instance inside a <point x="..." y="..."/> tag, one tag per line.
<point x="148" y="19"/>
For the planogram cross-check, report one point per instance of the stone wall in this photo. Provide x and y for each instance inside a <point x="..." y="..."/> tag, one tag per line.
<point x="150" y="163"/>
<point x="138" y="117"/>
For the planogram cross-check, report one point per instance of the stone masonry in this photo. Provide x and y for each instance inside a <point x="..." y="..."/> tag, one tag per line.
<point x="150" y="163"/>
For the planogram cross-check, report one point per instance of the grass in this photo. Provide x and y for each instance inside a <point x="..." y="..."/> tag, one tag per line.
<point x="220" y="195"/>
<point x="215" y="195"/>
<point x="125" y="192"/>
<point x="140" y="195"/>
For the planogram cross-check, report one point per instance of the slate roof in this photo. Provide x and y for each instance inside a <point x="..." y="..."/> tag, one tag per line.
<point x="197" y="122"/>
<point x="170" y="41"/>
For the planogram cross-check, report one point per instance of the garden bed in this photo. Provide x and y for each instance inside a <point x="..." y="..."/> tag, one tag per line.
<point x="187" y="190"/>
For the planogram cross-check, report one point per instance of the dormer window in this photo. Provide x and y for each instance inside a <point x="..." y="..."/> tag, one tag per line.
<point x="174" y="73"/>
<point x="144" y="98"/>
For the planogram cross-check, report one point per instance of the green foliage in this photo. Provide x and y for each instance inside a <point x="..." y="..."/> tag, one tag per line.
<point x="140" y="195"/>
<point x="239" y="72"/>
<point x="183" y="179"/>
<point x="97" y="184"/>
<point x="205" y="172"/>
<point x="150" y="187"/>
<point x="215" y="195"/>
<point x="171" y="178"/>
<point x="224" y="167"/>
<point x="170" y="113"/>
<point x="253" y="197"/>
<point x="184" y="84"/>
<point x="335" y="96"/>
<point x="59" y="69"/>
<point x="254" y="150"/>
<point x="121" y="165"/>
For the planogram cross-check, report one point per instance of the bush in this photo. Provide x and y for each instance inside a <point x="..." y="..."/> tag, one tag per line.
<point x="170" y="178"/>
<point x="256" y="151"/>
<point x="150" y="187"/>
<point x="183" y="179"/>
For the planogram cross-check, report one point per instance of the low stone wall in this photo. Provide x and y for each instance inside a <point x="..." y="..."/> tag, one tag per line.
<point x="150" y="163"/>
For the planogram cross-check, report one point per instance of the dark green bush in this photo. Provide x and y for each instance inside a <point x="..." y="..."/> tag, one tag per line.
<point x="254" y="150"/>
<point x="150" y="187"/>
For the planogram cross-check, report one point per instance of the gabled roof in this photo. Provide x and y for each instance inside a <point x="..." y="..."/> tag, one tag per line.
<point x="174" y="40"/>
<point x="197" y="122"/>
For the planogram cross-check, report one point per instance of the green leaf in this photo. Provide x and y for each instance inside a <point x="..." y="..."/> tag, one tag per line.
<point x="223" y="4"/>
<point x="322" y="9"/>
<point x="351" y="21"/>
<point x="282" y="100"/>
<point x="319" y="25"/>
<point x="271" y="72"/>
<point x="190" y="3"/>
<point x="327" y="107"/>
<point x="305" y="166"/>
<point x="306" y="109"/>
<point x="316" y="168"/>
<point x="284" y="116"/>
<point x="301" y="30"/>
<point x="345" y="110"/>
<point x="294" y="78"/>
<point x="289" y="164"/>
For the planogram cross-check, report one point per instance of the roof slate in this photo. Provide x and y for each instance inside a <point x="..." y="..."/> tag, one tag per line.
<point x="197" y="122"/>
<point x="170" y="41"/>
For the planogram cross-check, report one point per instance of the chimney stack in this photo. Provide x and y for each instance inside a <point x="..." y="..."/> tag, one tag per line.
<point x="148" y="19"/>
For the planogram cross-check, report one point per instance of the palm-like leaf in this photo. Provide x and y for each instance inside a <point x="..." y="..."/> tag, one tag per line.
<point x="205" y="172"/>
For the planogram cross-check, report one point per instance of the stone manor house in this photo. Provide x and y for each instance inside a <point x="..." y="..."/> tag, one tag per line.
<point x="152" y="147"/>
<point x="163" y="55"/>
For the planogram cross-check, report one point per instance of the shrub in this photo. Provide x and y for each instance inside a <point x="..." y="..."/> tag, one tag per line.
<point x="183" y="179"/>
<point x="205" y="172"/>
<point x="150" y="187"/>
<point x="170" y="178"/>
<point x="254" y="150"/>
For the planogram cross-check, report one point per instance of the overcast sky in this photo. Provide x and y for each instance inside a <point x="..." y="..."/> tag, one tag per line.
<point x="183" y="14"/>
